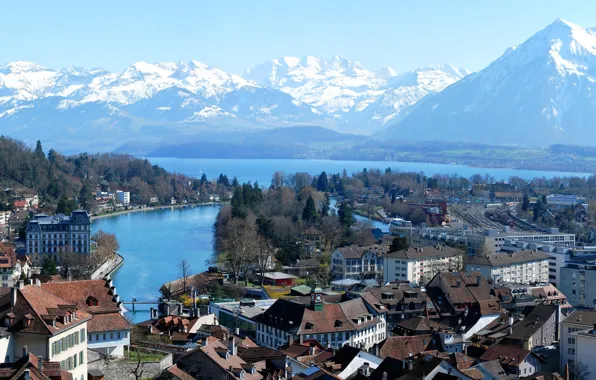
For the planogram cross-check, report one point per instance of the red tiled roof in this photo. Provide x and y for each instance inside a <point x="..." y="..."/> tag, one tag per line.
<point x="79" y="291"/>
<point x="178" y="373"/>
<point x="507" y="355"/>
<point x="108" y="322"/>
<point x="402" y="347"/>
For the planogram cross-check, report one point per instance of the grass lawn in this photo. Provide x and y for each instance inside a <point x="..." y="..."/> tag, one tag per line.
<point x="132" y="356"/>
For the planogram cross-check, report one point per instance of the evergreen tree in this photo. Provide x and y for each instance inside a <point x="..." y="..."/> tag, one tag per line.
<point x="39" y="150"/>
<point x="346" y="215"/>
<point x="235" y="182"/>
<point x="526" y="203"/>
<point x="309" y="213"/>
<point x="323" y="182"/>
<point x="49" y="267"/>
<point x="203" y="179"/>
<point x="398" y="243"/>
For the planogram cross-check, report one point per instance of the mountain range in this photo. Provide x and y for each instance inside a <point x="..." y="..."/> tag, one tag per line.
<point x="537" y="93"/>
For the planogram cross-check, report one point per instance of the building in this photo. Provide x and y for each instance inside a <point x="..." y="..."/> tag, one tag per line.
<point x="278" y="279"/>
<point x="579" y="320"/>
<point x="490" y="241"/>
<point x="4" y="217"/>
<point x="516" y="361"/>
<point x="454" y="292"/>
<point x="36" y="321"/>
<point x="123" y="197"/>
<point x="59" y="233"/>
<point x="108" y="332"/>
<point x="358" y="262"/>
<point x="334" y="324"/>
<point x="241" y="314"/>
<point x="585" y="346"/>
<point x="578" y="280"/>
<point x="419" y="264"/>
<point x="31" y="367"/>
<point x="401" y="228"/>
<point x="313" y="236"/>
<point x="564" y="200"/>
<point x="539" y="326"/>
<point x="523" y="267"/>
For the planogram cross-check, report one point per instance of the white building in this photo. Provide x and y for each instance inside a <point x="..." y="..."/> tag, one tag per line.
<point x="357" y="262"/>
<point x="4" y="216"/>
<point x="401" y="227"/>
<point x="579" y="320"/>
<point x="108" y="330"/>
<point x="523" y="267"/>
<point x="585" y="347"/>
<point x="59" y="233"/>
<point x="419" y="264"/>
<point x="123" y="197"/>
<point x="333" y="324"/>
<point x="35" y="321"/>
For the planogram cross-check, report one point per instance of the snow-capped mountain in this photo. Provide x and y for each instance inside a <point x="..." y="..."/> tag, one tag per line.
<point x="348" y="92"/>
<point x="538" y="93"/>
<point x="153" y="100"/>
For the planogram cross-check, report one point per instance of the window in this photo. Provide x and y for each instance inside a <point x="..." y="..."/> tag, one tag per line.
<point x="82" y="333"/>
<point x="104" y="336"/>
<point x="571" y="340"/>
<point x="90" y="337"/>
<point x="571" y="351"/>
<point x="81" y="357"/>
<point x="111" y="335"/>
<point x="96" y="336"/>
<point x="118" y="334"/>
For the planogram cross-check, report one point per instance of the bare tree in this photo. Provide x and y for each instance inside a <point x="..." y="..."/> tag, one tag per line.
<point x="237" y="246"/>
<point x="184" y="273"/>
<point x="263" y="255"/>
<point x="138" y="370"/>
<point x="581" y="371"/>
<point x="332" y="230"/>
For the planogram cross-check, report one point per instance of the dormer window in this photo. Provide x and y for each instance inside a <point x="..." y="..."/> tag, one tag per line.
<point x="338" y="323"/>
<point x="91" y="301"/>
<point x="309" y="326"/>
<point x="74" y="314"/>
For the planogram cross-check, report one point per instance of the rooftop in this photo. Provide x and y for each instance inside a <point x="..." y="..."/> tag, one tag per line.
<point x="415" y="253"/>
<point x="503" y="259"/>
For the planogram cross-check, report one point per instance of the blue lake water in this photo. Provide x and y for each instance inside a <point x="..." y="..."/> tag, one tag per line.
<point x="154" y="242"/>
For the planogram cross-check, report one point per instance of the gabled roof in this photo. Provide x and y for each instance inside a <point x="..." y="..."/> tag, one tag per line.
<point x="30" y="362"/>
<point x="402" y="347"/>
<point x="581" y="317"/>
<point x="506" y="355"/>
<point x="79" y="291"/>
<point x="535" y="317"/>
<point x="357" y="251"/>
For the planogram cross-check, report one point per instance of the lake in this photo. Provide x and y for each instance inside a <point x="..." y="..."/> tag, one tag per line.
<point x="154" y="242"/>
<point x="262" y="170"/>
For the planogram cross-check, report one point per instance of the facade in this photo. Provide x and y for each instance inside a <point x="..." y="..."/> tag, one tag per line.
<point x="523" y="267"/>
<point x="516" y="361"/>
<point x="278" y="279"/>
<point x="578" y="280"/>
<point x="4" y="217"/>
<point x="559" y="255"/>
<point x="401" y="228"/>
<point x="334" y="324"/>
<point x="358" y="262"/>
<point x="241" y="314"/>
<point x="579" y="320"/>
<point x="585" y="346"/>
<point x="37" y="322"/>
<point x="59" y="233"/>
<point x="491" y="241"/>
<point x="419" y="264"/>
<point x="108" y="332"/>
<point x="123" y="197"/>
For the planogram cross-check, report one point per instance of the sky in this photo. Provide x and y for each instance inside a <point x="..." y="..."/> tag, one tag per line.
<point x="234" y="35"/>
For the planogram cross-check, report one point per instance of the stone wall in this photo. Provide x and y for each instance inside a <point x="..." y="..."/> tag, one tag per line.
<point x="123" y="370"/>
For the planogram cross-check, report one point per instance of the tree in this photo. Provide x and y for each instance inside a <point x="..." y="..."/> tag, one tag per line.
<point x="49" y="267"/>
<point x="39" y="150"/>
<point x="264" y="253"/>
<point x="138" y="369"/>
<point x="399" y="243"/>
<point x="525" y="203"/>
<point x="580" y="371"/>
<point x="309" y="213"/>
<point x="184" y="273"/>
<point x="323" y="182"/>
<point x="65" y="206"/>
<point x="331" y="229"/>
<point x="236" y="246"/>
<point x="346" y="215"/>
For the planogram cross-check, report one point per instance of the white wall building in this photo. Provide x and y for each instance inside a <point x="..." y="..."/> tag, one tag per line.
<point x="123" y="197"/>
<point x="357" y="262"/>
<point x="419" y="264"/>
<point x="524" y="267"/>
<point x="579" y="320"/>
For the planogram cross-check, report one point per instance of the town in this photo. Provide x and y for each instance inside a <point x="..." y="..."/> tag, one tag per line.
<point x="370" y="275"/>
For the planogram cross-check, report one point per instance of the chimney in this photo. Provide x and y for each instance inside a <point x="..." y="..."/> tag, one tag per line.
<point x="458" y="283"/>
<point x="232" y="346"/>
<point x="237" y="331"/>
<point x="13" y="296"/>
<point x="311" y="351"/>
<point x="478" y="280"/>
<point x="27" y="374"/>
<point x="40" y="364"/>
<point x="510" y="320"/>
<point x="37" y="282"/>
<point x="25" y="351"/>
<point x="365" y="369"/>
<point x="384" y="376"/>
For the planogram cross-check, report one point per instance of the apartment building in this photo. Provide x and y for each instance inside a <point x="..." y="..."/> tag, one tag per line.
<point x="578" y="320"/>
<point x="358" y="262"/>
<point x="37" y="322"/>
<point x="585" y="346"/>
<point x="419" y="264"/>
<point x="578" y="281"/>
<point x="123" y="197"/>
<point x="334" y="324"/>
<point x="523" y="267"/>
<point x="559" y="255"/>
<point x="401" y="228"/>
<point x="491" y="241"/>
<point x="59" y="233"/>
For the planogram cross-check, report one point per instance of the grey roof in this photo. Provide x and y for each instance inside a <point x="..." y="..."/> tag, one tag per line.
<point x="278" y="276"/>
<point x="356" y="251"/>
<point x="535" y="317"/>
<point x="582" y="317"/>
<point x="414" y="253"/>
<point x="503" y="259"/>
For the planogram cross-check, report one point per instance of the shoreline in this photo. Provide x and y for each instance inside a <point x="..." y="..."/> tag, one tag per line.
<point x="149" y="208"/>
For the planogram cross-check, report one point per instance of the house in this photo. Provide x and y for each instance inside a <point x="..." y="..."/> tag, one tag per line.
<point x="454" y="292"/>
<point x="314" y="236"/>
<point x="174" y="372"/>
<point x="515" y="360"/>
<point x="416" y="326"/>
<point x="108" y="332"/>
<point x="59" y="233"/>
<point x="241" y="314"/>
<point x="336" y="324"/>
<point x="578" y="320"/>
<point x="523" y="267"/>
<point x="585" y="346"/>
<point x="538" y="327"/>
<point x="358" y="262"/>
<point x="278" y="279"/>
<point x="400" y="301"/>
<point x="181" y="330"/>
<point x="577" y="281"/>
<point x="403" y="347"/>
<point x="38" y="322"/>
<point x="31" y="367"/>
<point x="348" y="360"/>
<point x="419" y="264"/>
<point x="20" y="204"/>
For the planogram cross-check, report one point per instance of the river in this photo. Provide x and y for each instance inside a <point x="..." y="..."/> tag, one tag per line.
<point x="154" y="242"/>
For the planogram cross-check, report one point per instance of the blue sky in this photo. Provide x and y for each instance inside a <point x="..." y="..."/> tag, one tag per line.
<point x="236" y="34"/>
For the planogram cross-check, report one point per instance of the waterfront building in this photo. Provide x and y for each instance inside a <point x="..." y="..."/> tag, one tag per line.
<point x="123" y="197"/>
<point x="36" y="321"/>
<point x="108" y="332"/>
<point x="578" y="320"/>
<point x="50" y="235"/>
<point x="358" y="262"/>
<point x="523" y="267"/>
<point x="419" y="264"/>
<point x="334" y="324"/>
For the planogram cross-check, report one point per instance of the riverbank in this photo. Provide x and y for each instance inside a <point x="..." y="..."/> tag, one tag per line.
<point x="364" y="214"/>
<point x="108" y="267"/>
<point x="150" y="208"/>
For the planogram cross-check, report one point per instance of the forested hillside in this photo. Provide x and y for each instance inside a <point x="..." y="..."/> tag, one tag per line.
<point x="54" y="176"/>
